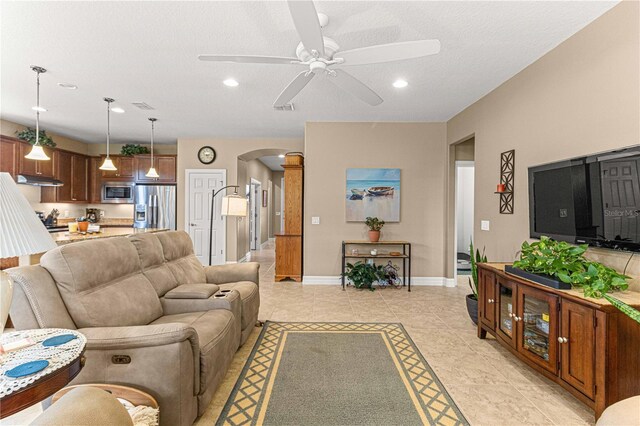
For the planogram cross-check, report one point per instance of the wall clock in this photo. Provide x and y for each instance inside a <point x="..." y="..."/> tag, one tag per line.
<point x="206" y="155"/>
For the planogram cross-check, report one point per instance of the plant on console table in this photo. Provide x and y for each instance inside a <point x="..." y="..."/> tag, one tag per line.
<point x="472" y="299"/>
<point x="364" y="275"/>
<point x="375" y="225"/>
<point x="567" y="263"/>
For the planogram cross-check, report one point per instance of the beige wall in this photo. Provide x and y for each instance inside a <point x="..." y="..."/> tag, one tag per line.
<point x="418" y="149"/>
<point x="276" y="197"/>
<point x="228" y="151"/>
<point x="581" y="98"/>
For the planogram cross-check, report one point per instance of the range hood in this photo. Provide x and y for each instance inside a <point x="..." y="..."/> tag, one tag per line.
<point x="38" y="181"/>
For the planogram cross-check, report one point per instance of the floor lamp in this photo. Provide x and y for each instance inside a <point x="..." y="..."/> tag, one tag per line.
<point x="21" y="234"/>
<point x="232" y="205"/>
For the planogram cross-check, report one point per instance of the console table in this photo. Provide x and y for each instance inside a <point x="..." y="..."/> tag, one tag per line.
<point x="405" y="256"/>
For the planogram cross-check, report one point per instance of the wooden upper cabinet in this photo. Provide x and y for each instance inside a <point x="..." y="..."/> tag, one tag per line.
<point x="95" y="180"/>
<point x="64" y="172"/>
<point x="9" y="151"/>
<point x="72" y="170"/>
<point x="80" y="178"/>
<point x="43" y="168"/>
<point x="577" y="353"/>
<point x="165" y="166"/>
<point x="124" y="165"/>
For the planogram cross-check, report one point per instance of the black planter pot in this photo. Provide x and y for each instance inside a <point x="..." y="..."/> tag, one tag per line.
<point x="472" y="308"/>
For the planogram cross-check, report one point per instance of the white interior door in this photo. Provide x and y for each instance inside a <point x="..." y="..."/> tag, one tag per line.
<point x="200" y="187"/>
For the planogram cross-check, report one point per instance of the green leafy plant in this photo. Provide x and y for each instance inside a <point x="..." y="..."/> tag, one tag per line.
<point x="134" y="149"/>
<point x="567" y="263"/>
<point x="475" y="259"/>
<point x="29" y="135"/>
<point x="363" y="275"/>
<point x="374" y="223"/>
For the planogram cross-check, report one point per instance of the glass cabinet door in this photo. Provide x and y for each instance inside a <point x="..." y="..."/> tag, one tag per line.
<point x="506" y="311"/>
<point x="537" y="322"/>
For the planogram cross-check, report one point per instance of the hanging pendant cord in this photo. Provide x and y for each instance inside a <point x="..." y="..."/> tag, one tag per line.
<point x="108" y="127"/>
<point x="152" y="129"/>
<point x="37" y="108"/>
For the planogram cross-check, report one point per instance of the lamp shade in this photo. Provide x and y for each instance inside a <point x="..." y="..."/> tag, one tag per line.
<point x="152" y="173"/>
<point x="234" y="205"/>
<point x="108" y="165"/>
<point x="21" y="232"/>
<point x="37" y="153"/>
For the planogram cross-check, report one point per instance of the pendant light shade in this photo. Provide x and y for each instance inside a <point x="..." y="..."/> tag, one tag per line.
<point x="37" y="153"/>
<point x="108" y="164"/>
<point x="152" y="170"/>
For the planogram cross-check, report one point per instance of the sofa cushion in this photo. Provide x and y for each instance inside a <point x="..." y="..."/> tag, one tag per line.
<point x="101" y="283"/>
<point x="218" y="336"/>
<point x="250" y="295"/>
<point x="152" y="261"/>
<point x="179" y="257"/>
<point x="192" y="291"/>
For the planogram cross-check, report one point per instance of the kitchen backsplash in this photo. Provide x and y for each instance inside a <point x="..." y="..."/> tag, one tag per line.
<point x="32" y="194"/>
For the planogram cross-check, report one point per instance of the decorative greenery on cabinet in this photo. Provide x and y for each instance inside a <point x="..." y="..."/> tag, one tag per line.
<point x="567" y="263"/>
<point x="131" y="149"/>
<point x="29" y="135"/>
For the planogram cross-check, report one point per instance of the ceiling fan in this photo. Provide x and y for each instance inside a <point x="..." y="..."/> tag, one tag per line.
<point x="322" y="56"/>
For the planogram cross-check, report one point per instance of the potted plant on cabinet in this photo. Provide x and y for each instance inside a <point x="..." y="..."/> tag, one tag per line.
<point x="375" y="225"/>
<point x="472" y="299"/>
<point x="364" y="275"/>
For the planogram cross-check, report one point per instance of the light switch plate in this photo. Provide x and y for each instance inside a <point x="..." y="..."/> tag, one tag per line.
<point x="315" y="220"/>
<point x="277" y="213"/>
<point x="485" y="225"/>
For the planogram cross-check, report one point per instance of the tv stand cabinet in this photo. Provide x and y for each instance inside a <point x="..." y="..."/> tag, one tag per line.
<point x="585" y="345"/>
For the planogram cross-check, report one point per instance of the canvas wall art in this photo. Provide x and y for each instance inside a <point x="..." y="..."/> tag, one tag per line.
<point x="373" y="192"/>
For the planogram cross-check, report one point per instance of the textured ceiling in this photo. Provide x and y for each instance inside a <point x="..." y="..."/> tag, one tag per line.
<point x="147" y="51"/>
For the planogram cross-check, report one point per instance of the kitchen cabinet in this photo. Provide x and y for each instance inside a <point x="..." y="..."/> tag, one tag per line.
<point x="9" y="149"/>
<point x="585" y="345"/>
<point x="73" y="170"/>
<point x="165" y="166"/>
<point x="124" y="165"/>
<point x="95" y="180"/>
<point x="32" y="167"/>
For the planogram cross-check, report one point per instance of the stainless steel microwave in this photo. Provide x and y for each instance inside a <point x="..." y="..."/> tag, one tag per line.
<point x="117" y="192"/>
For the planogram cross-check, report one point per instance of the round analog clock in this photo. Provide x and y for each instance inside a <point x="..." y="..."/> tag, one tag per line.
<point x="206" y="155"/>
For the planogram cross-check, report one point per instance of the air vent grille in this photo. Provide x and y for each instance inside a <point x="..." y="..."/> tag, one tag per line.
<point x="285" y="107"/>
<point x="142" y="105"/>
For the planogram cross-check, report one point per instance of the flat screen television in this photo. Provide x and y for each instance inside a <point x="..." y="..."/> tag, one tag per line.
<point x="591" y="200"/>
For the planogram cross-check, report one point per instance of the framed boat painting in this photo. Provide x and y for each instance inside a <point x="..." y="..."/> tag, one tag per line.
<point x="373" y="192"/>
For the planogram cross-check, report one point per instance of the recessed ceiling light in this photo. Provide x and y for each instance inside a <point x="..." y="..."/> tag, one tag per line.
<point x="399" y="84"/>
<point x="117" y="109"/>
<point x="68" y="86"/>
<point x="39" y="108"/>
<point x="281" y="156"/>
<point x="230" y="82"/>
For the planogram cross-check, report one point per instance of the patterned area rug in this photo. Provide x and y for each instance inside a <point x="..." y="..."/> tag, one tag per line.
<point x="338" y="374"/>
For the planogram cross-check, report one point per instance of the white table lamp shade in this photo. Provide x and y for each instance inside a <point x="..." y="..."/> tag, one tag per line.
<point x="21" y="232"/>
<point x="234" y="205"/>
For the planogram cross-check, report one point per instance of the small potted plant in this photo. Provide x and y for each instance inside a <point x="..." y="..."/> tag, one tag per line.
<point x="83" y="224"/>
<point x="375" y="225"/>
<point x="364" y="275"/>
<point x="472" y="299"/>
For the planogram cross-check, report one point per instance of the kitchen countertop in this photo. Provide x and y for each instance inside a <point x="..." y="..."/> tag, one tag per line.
<point x="65" y="237"/>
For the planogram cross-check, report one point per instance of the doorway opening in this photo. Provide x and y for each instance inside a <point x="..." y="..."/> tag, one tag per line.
<point x="463" y="199"/>
<point x="254" y="213"/>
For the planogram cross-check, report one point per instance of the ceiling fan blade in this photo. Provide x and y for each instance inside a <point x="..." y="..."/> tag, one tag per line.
<point x="305" y="19"/>
<point x="248" y="59"/>
<point x="349" y="83"/>
<point x="294" y="88"/>
<point x="389" y="52"/>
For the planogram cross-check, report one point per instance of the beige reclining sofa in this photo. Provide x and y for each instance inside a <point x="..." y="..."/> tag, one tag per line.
<point x="154" y="317"/>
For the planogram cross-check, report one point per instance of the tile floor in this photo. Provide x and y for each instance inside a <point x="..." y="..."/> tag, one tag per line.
<point x="488" y="384"/>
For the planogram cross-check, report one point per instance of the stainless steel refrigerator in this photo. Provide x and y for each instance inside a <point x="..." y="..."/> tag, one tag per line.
<point x="154" y="206"/>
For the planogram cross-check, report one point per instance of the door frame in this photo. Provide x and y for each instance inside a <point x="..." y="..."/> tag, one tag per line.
<point x="255" y="194"/>
<point x="187" y="188"/>
<point x="457" y="165"/>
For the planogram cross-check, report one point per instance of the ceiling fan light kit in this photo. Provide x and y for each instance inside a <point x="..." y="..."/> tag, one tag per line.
<point x="322" y="56"/>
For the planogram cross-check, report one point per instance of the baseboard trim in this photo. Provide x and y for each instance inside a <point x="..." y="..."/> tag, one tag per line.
<point x="415" y="281"/>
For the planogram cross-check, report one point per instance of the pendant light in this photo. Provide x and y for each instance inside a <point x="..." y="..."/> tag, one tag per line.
<point x="108" y="164"/>
<point x="37" y="153"/>
<point x="152" y="170"/>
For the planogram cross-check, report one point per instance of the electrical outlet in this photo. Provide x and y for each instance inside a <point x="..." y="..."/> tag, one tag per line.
<point x="315" y="220"/>
<point x="485" y="225"/>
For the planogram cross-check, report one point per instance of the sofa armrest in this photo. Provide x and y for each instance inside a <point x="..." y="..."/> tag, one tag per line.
<point x="140" y="336"/>
<point x="222" y="274"/>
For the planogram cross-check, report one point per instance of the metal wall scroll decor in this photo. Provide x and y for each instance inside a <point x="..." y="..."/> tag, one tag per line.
<point x="507" y="169"/>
